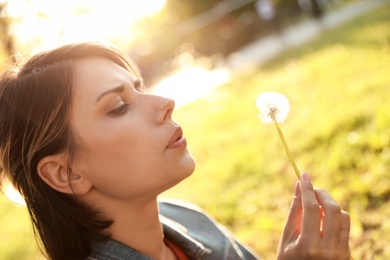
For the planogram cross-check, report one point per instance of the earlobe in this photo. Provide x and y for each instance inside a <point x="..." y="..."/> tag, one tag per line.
<point x="53" y="170"/>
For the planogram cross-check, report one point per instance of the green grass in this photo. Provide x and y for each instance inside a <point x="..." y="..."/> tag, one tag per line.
<point x="338" y="131"/>
<point x="16" y="233"/>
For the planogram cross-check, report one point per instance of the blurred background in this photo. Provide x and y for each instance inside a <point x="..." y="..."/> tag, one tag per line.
<point x="329" y="57"/>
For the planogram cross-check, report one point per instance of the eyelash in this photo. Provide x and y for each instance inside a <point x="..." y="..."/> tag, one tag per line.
<point x="139" y="86"/>
<point x="120" y="110"/>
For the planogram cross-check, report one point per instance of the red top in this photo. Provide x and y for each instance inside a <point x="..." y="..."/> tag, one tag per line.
<point x="176" y="250"/>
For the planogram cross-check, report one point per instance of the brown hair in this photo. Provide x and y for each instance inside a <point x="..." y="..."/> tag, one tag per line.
<point x="35" y="103"/>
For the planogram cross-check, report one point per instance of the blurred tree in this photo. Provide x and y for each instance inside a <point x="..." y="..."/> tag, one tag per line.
<point x="316" y="9"/>
<point x="187" y="9"/>
<point x="212" y="27"/>
<point x="286" y="3"/>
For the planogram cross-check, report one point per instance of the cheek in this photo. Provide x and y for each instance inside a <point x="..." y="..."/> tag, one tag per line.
<point x="109" y="139"/>
<point x="110" y="172"/>
<point x="111" y="154"/>
<point x="119" y="154"/>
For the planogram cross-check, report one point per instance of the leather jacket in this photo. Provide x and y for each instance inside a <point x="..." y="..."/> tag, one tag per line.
<point x="191" y="229"/>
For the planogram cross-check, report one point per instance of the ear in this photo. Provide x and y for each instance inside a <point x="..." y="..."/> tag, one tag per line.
<point x="53" y="170"/>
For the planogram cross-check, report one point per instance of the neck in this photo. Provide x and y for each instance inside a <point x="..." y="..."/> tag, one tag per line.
<point x="137" y="225"/>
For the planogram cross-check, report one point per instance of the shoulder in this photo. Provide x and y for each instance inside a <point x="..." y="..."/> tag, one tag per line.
<point x="204" y="228"/>
<point x="189" y="217"/>
<point x="187" y="214"/>
<point x="167" y="205"/>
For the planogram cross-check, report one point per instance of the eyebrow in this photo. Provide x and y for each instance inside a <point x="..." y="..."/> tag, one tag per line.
<point x="118" y="89"/>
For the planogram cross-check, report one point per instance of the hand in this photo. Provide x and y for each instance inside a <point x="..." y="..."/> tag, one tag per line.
<point x="316" y="227"/>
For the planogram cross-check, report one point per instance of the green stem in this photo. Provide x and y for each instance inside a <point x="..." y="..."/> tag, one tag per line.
<point x="287" y="150"/>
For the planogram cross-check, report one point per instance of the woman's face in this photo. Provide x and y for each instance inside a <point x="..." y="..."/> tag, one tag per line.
<point x="130" y="146"/>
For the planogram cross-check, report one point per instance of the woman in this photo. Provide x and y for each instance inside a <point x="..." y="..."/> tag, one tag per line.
<point x="90" y="152"/>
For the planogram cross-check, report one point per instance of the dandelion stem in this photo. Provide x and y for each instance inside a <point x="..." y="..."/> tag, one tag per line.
<point x="287" y="150"/>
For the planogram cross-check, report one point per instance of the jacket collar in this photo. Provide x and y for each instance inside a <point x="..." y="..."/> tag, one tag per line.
<point x="173" y="231"/>
<point x="178" y="234"/>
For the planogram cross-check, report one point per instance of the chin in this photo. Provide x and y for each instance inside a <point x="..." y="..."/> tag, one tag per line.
<point x="187" y="168"/>
<point x="191" y="164"/>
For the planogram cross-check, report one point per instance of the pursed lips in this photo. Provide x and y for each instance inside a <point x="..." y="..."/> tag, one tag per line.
<point x="177" y="139"/>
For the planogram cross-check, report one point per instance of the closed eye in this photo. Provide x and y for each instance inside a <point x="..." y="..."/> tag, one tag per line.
<point x="120" y="110"/>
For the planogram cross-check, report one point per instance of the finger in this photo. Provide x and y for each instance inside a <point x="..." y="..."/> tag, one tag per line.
<point x="311" y="216"/>
<point x="345" y="229"/>
<point x="292" y="227"/>
<point x="332" y="217"/>
<point x="294" y="218"/>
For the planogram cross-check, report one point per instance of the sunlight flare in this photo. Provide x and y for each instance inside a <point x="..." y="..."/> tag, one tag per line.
<point x="54" y="22"/>
<point x="190" y="84"/>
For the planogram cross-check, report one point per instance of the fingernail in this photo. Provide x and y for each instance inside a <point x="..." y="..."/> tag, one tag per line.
<point x="305" y="177"/>
<point x="297" y="189"/>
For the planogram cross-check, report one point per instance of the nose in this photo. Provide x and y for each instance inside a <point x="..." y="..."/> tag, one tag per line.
<point x="164" y="107"/>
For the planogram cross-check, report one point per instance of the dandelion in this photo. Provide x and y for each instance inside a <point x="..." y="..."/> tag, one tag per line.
<point x="274" y="108"/>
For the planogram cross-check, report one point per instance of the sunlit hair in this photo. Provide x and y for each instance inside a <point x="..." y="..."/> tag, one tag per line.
<point x="35" y="103"/>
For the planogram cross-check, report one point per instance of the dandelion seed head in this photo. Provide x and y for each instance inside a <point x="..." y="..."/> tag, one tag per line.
<point x="273" y="107"/>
